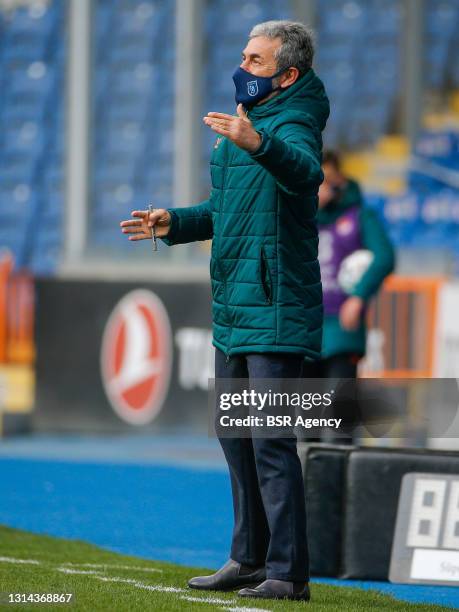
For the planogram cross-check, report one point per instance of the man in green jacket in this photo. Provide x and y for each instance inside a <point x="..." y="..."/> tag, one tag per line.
<point x="267" y="295"/>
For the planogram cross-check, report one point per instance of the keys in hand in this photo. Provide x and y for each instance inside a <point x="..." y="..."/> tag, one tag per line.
<point x="153" y="231"/>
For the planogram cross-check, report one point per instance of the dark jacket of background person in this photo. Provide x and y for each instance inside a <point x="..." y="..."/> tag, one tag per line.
<point x="349" y="210"/>
<point x="267" y="294"/>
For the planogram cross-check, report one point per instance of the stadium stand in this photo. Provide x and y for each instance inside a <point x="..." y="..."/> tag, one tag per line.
<point x="358" y="60"/>
<point x="133" y="118"/>
<point x="358" y="57"/>
<point x="32" y="62"/>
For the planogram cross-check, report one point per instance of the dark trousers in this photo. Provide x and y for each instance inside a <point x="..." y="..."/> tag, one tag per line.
<point x="266" y="482"/>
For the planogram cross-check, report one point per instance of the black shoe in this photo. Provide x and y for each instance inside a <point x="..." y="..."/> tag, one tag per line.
<point x="232" y="575"/>
<point x="279" y="589"/>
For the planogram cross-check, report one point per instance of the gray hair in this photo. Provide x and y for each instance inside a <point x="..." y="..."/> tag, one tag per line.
<point x="297" y="43"/>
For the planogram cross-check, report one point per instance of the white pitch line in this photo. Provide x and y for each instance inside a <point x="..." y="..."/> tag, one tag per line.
<point x="141" y="585"/>
<point x="21" y="561"/>
<point x="70" y="570"/>
<point x="242" y="609"/>
<point x="115" y="566"/>
<point x="168" y="589"/>
<point x="209" y="600"/>
<point x="136" y="583"/>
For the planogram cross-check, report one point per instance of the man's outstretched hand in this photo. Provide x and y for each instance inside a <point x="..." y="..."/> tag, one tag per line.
<point x="140" y="226"/>
<point x="237" y="129"/>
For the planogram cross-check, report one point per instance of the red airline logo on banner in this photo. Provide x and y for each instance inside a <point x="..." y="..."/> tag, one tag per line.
<point x="136" y="357"/>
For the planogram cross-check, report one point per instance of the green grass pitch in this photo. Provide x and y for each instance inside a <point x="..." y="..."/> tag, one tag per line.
<point x="102" y="580"/>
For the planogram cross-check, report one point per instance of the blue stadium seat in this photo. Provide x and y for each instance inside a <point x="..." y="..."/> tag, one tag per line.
<point x="380" y="77"/>
<point x="12" y="241"/>
<point x="343" y="19"/>
<point x="142" y="21"/>
<point x="52" y="185"/>
<point x="25" y="49"/>
<point x="17" y="108"/>
<point x="116" y="203"/>
<point x="39" y="18"/>
<point x="24" y="137"/>
<point x="367" y="123"/>
<point x="53" y="175"/>
<point x="115" y="170"/>
<point x="337" y="123"/>
<point x="221" y="92"/>
<point x="51" y="224"/>
<point x="132" y="50"/>
<point x="128" y="107"/>
<point x="240" y="17"/>
<point x="333" y="51"/>
<point x="19" y="169"/>
<point x="385" y="18"/>
<point x="53" y="202"/>
<point x="440" y="16"/>
<point x="339" y="78"/>
<point x="57" y="141"/>
<point x="124" y="137"/>
<point x="108" y="237"/>
<point x="221" y="101"/>
<point x="34" y="78"/>
<point x="17" y="201"/>
<point x="46" y="254"/>
<point x="139" y="78"/>
<point x="158" y="183"/>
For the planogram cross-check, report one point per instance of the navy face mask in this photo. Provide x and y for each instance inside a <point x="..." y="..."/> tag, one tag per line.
<point x="250" y="89"/>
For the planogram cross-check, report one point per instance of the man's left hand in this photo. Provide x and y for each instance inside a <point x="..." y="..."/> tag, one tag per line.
<point x="350" y="313"/>
<point x="237" y="129"/>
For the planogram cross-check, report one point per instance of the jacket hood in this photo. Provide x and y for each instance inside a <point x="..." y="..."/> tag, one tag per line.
<point x="307" y="95"/>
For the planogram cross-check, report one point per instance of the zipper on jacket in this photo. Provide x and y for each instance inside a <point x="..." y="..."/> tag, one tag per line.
<point x="225" y="293"/>
<point x="222" y="273"/>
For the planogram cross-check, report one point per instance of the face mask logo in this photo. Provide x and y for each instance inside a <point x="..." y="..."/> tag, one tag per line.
<point x="252" y="88"/>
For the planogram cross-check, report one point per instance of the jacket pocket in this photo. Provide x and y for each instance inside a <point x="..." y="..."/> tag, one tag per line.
<point x="265" y="276"/>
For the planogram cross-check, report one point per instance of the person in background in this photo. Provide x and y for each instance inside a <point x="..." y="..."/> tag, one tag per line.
<point x="345" y="226"/>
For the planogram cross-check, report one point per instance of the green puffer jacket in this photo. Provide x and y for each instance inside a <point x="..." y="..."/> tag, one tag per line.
<point x="267" y="294"/>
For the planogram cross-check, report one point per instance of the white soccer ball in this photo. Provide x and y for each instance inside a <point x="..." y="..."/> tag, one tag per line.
<point x="352" y="268"/>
